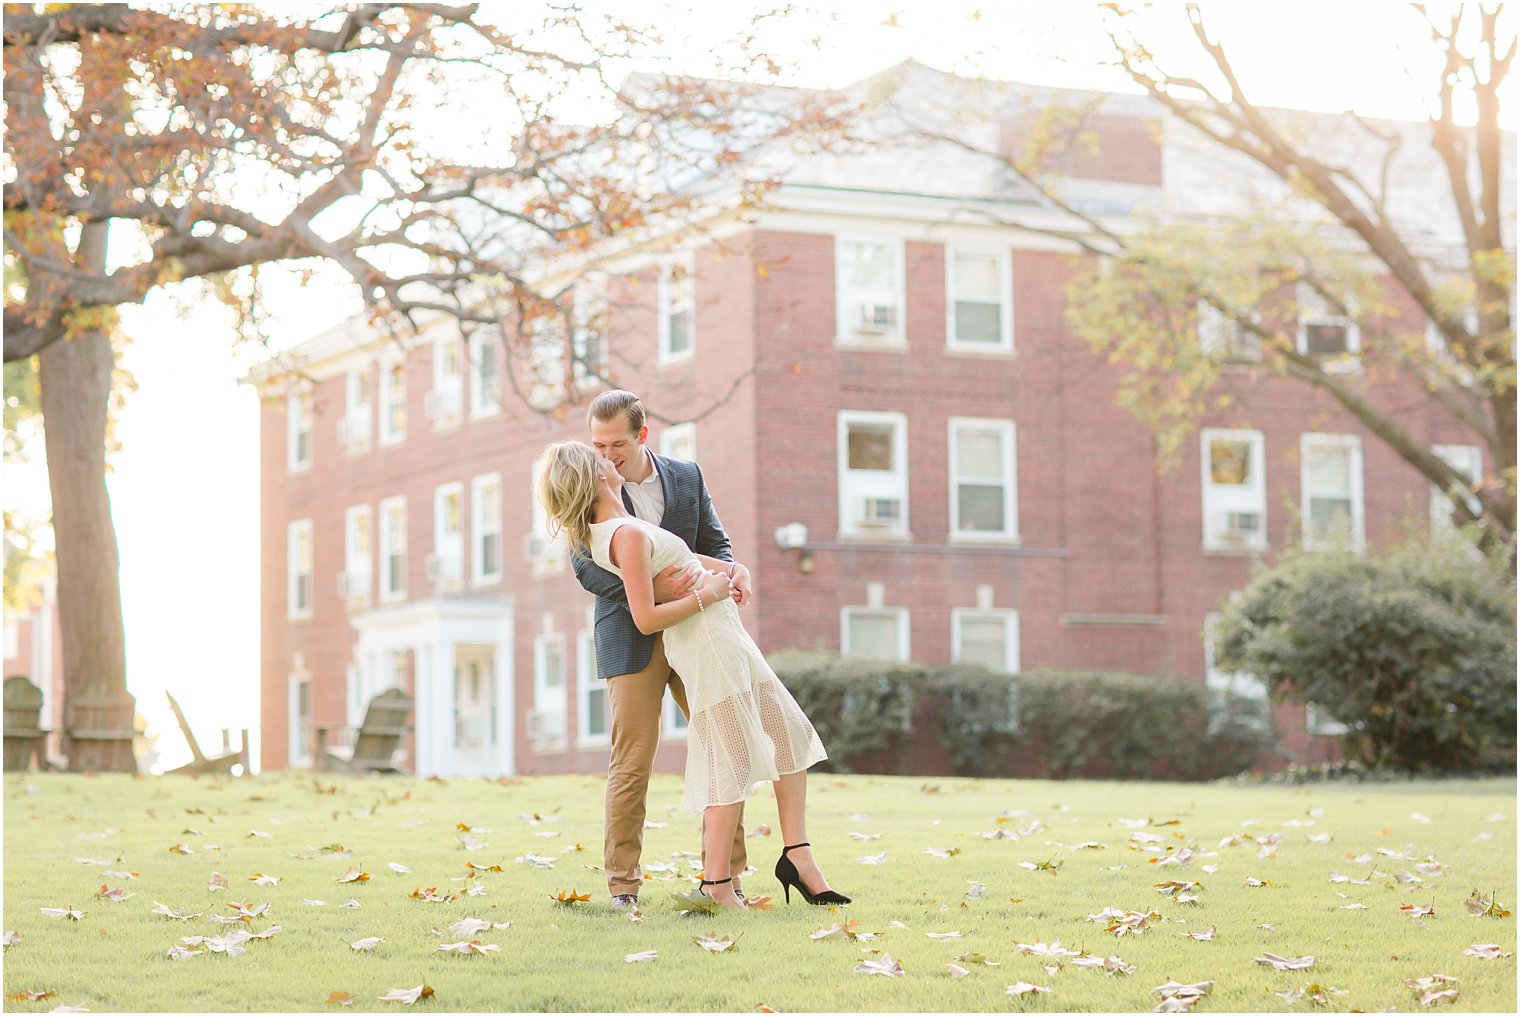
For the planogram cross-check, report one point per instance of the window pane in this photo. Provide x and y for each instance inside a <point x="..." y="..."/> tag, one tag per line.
<point x="870" y="265"/>
<point x="361" y="533"/>
<point x="1229" y="462"/>
<point x="596" y="712"/>
<point x="489" y="554"/>
<point x="870" y="447"/>
<point x="451" y="514"/>
<point x="983" y="641"/>
<point x="976" y="275"/>
<point x="680" y="334"/>
<point x="1325" y="339"/>
<point x="554" y="666"/>
<point x="1329" y="470"/>
<point x="1329" y="516"/>
<point x="979" y="454"/>
<point x="490" y="506"/>
<point x="874" y="635"/>
<point x="450" y="354"/>
<point x="981" y="508"/>
<point x="978" y="322"/>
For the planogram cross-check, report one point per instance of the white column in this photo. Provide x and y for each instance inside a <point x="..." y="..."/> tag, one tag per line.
<point x="504" y="673"/>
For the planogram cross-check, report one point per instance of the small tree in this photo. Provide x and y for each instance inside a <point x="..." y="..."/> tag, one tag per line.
<point x="1414" y="651"/>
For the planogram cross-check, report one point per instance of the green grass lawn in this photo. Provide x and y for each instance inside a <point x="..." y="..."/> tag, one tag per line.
<point x="556" y="958"/>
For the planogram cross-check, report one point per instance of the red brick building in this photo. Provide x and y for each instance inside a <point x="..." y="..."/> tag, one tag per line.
<point x="864" y="359"/>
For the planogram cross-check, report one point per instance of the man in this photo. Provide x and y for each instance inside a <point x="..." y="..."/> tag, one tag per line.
<point x="673" y="495"/>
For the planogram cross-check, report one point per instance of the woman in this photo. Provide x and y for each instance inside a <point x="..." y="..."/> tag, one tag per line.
<point x="745" y="728"/>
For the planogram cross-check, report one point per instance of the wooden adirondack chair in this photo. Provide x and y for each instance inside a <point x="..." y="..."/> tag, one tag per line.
<point x="24" y="736"/>
<point x="201" y="763"/>
<point x="375" y="743"/>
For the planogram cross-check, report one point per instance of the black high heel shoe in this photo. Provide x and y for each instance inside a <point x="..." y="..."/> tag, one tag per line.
<point x="787" y="875"/>
<point x="720" y="881"/>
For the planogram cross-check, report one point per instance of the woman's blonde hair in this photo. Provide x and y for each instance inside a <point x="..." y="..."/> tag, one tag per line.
<point x="568" y="489"/>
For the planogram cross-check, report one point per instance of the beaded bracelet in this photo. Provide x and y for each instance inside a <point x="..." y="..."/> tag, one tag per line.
<point x="698" y="595"/>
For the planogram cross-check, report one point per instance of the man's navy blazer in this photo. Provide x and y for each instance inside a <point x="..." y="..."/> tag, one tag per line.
<point x="620" y="647"/>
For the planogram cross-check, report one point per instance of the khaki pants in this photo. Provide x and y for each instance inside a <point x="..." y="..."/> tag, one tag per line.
<point x="634" y="702"/>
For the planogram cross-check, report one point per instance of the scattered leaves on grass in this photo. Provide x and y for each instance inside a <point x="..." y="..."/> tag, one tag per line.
<point x="1025" y="988"/>
<point x="647" y="956"/>
<point x="353" y="875"/>
<point x="408" y="996"/>
<point x="179" y="952"/>
<point x="1201" y="936"/>
<point x="873" y="858"/>
<point x="713" y="944"/>
<point x="470" y="948"/>
<point x="114" y="895"/>
<point x="469" y="926"/>
<point x="1256" y="883"/>
<point x="1485" y="906"/>
<point x="1277" y="962"/>
<point x="1433" y="990"/>
<point x="217" y="882"/>
<point x="1416" y="911"/>
<point x="885" y="966"/>
<point x="1124" y="922"/>
<point x="1176" y="888"/>
<point x="366" y="944"/>
<point x="1052" y="865"/>
<point x="341" y="998"/>
<point x="178" y="915"/>
<point x="1319" y="994"/>
<point x="570" y="897"/>
<point x="863" y="837"/>
<point x="849" y="930"/>
<point x="68" y="912"/>
<point x="977" y="890"/>
<point x="976" y="960"/>
<point x="402" y="869"/>
<point x="11" y="938"/>
<point x="1486" y="952"/>
<point x="472" y="866"/>
<point x="31" y="996"/>
<point x="536" y="861"/>
<point x="315" y="903"/>
<point x="944" y="853"/>
<point x="941" y="936"/>
<point x="956" y="972"/>
<point x="122" y="874"/>
<point x="1055" y="949"/>
<point x="182" y="849"/>
<point x="1178" y="997"/>
<point x="432" y="895"/>
<point x="350" y="904"/>
<point x="696" y="902"/>
<point x="259" y="878"/>
<point x="1110" y="965"/>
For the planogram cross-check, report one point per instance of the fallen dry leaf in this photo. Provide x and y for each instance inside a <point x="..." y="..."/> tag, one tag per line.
<point x="178" y="915"/>
<point x="366" y="944"/>
<point x="1284" y="962"/>
<point x="470" y="948"/>
<point x="217" y="882"/>
<point x="713" y="944"/>
<point x="1025" y="988"/>
<point x="11" y="938"/>
<point x="354" y="875"/>
<point x="31" y="996"/>
<point x="1054" y="949"/>
<point x="873" y="858"/>
<point x="1201" y="936"/>
<point x="341" y="998"/>
<point x="955" y="971"/>
<point x="1485" y="906"/>
<point x="259" y="878"/>
<point x="432" y="895"/>
<point x="407" y="996"/>
<point x="179" y="952"/>
<point x="1486" y="952"/>
<point x="114" y="895"/>
<point x="68" y="912"/>
<point x="885" y="966"/>
<point x="568" y="898"/>
<point x="1416" y="911"/>
<point x="647" y="956"/>
<point x="942" y="935"/>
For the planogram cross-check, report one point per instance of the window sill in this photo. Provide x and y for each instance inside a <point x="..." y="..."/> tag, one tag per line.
<point x="1236" y="549"/>
<point x="981" y="352"/>
<point x="448" y="423"/>
<point x="483" y="581"/>
<point x="307" y="616"/>
<point x="555" y="746"/>
<point x="386" y="442"/>
<point x="601" y="741"/>
<point x="677" y="359"/>
<point x="868" y="536"/>
<point x="393" y="597"/>
<point x="985" y="539"/>
<point x="884" y="346"/>
<point x="486" y="412"/>
<point x="294" y="468"/>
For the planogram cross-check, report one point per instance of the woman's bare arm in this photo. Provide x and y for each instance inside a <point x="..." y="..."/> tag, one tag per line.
<point x="631" y="551"/>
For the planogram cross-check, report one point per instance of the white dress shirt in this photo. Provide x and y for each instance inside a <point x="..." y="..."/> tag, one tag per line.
<point x="648" y="496"/>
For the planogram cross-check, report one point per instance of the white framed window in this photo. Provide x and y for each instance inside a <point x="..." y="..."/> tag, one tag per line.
<point x="678" y="305"/>
<point x="1325" y="333"/>
<point x="392" y="549"/>
<point x="978" y="300"/>
<point x="12" y="638"/>
<point x="595" y="725"/>
<point x="1321" y="722"/>
<point x="1239" y="682"/>
<point x="544" y="552"/>
<point x="589" y="331"/>
<point x="1331" y="477"/>
<point x="300" y="560"/>
<point x="444" y="405"/>
<point x="485" y="375"/>
<point x="358" y="410"/>
<point x="986" y="637"/>
<point x="546" y="724"/>
<point x="881" y="633"/>
<point x="356" y="582"/>
<point x="298" y="428"/>
<point x="983" y="479"/>
<point x="1219" y="334"/>
<point x="679" y="442"/>
<point x="1234" y="484"/>
<point x="485" y="525"/>
<point x="1467" y="460"/>
<point x="392" y="400"/>
<point x="869" y="292"/>
<point x="873" y="474"/>
<point x="543" y="365"/>
<point x="299" y="706"/>
<point x="445" y="565"/>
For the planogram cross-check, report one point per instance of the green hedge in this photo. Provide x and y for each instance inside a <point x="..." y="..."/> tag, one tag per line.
<point x="1073" y="722"/>
<point x="857" y="705"/>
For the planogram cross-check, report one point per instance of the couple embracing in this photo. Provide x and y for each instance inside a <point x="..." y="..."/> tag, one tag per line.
<point x="646" y="540"/>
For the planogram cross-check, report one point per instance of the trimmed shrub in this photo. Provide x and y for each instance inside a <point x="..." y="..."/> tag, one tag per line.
<point x="1414" y="650"/>
<point x="857" y="705"/>
<point x="1129" y="726"/>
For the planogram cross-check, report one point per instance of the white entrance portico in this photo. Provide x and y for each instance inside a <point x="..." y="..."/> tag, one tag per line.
<point x="460" y="652"/>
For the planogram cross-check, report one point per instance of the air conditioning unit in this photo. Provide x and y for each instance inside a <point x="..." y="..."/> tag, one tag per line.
<point x="1242" y="524"/>
<point x="535" y="544"/>
<point x="881" y="511"/>
<point x="344" y="439"/>
<point x="443" y="569"/>
<point x="343" y="585"/>
<point x="876" y="319"/>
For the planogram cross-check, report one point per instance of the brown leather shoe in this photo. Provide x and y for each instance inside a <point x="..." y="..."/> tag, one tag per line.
<point x="625" y="901"/>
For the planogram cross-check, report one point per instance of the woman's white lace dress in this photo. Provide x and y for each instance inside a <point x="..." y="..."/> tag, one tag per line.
<point x="746" y="729"/>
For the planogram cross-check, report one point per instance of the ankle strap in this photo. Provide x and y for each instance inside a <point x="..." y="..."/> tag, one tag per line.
<point x="720" y="881"/>
<point x="794" y="846"/>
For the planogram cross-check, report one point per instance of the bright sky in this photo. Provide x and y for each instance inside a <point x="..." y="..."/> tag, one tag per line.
<point x="185" y="489"/>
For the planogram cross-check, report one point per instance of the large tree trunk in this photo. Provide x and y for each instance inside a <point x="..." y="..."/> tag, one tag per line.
<point x="75" y="381"/>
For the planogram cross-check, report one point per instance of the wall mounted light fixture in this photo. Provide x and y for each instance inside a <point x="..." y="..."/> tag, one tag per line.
<point x="794" y="536"/>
